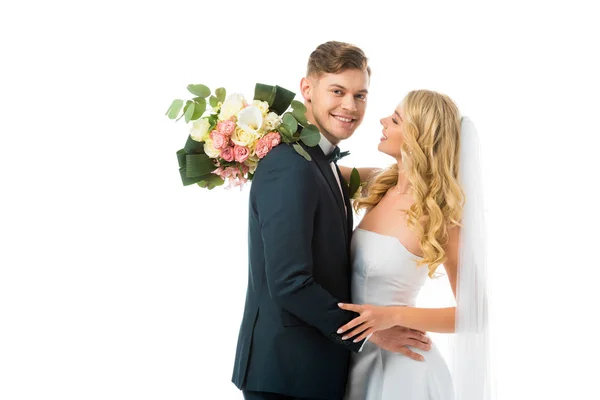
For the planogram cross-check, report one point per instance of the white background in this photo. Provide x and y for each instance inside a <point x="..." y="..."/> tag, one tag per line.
<point x="119" y="283"/>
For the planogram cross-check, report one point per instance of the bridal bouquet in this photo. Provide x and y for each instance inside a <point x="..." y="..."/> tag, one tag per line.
<point x="227" y="141"/>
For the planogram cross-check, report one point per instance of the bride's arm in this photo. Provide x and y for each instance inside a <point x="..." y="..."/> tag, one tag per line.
<point x="436" y="319"/>
<point x="376" y="318"/>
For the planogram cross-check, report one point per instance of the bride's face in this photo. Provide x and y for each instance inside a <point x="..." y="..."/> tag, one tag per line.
<point x="393" y="133"/>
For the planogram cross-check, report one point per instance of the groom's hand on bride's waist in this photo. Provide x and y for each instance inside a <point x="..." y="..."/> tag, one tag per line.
<point x="398" y="339"/>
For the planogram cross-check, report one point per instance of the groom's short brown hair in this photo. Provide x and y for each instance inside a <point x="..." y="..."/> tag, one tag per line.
<point x="333" y="57"/>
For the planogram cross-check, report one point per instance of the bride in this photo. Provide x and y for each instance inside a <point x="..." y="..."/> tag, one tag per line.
<point x="423" y="212"/>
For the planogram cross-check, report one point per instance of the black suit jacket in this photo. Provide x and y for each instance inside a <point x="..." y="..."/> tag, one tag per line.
<point x="299" y="269"/>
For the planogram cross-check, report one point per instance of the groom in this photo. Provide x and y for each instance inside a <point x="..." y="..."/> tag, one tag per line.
<point x="300" y="225"/>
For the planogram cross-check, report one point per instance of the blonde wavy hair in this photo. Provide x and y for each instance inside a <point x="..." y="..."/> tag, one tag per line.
<point x="430" y="158"/>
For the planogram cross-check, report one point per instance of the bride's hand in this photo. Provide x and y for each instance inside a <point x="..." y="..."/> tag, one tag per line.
<point x="371" y="319"/>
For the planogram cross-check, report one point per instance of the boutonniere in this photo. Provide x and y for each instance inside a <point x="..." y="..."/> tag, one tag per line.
<point x="355" y="186"/>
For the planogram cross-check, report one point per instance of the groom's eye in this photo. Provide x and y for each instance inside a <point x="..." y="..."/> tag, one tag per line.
<point x="337" y="91"/>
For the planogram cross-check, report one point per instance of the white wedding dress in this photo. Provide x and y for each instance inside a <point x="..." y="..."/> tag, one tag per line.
<point x="384" y="272"/>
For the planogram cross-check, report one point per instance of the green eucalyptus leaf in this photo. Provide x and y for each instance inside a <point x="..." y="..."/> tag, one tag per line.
<point x="285" y="133"/>
<point x="290" y="123"/>
<point x="187" y="106"/>
<point x="200" y="107"/>
<point x="310" y="136"/>
<point x="296" y="105"/>
<point x="199" y="90"/>
<point x="300" y="150"/>
<point x="213" y="101"/>
<point x="197" y="113"/>
<point x="189" y="110"/>
<point x="300" y="116"/>
<point x="174" y="109"/>
<point x="221" y="93"/>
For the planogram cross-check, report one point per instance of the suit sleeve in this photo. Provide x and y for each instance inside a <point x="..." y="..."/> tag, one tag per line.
<point x="286" y="203"/>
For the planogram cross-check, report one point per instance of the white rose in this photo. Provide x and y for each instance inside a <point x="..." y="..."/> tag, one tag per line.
<point x="242" y="137"/>
<point x="232" y="105"/>
<point x="210" y="150"/>
<point x="272" y="121"/>
<point x="263" y="106"/>
<point x="199" y="131"/>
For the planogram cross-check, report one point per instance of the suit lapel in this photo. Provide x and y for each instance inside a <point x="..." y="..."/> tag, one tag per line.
<point x="349" y="216"/>
<point x="323" y="164"/>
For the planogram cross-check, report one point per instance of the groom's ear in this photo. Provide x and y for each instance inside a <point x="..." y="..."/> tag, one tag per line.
<point x="305" y="89"/>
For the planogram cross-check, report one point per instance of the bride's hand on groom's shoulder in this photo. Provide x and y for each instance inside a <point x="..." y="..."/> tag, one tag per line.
<point x="398" y="339"/>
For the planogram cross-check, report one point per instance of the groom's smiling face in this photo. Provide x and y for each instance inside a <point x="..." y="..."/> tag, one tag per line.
<point x="336" y="103"/>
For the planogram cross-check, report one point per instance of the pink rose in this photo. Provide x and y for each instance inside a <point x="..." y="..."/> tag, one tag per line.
<point x="241" y="153"/>
<point x="227" y="154"/>
<point x="273" y="138"/>
<point x="226" y="127"/>
<point x="263" y="146"/>
<point x="220" y="141"/>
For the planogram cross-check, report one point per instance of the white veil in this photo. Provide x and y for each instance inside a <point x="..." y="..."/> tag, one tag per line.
<point x="470" y="347"/>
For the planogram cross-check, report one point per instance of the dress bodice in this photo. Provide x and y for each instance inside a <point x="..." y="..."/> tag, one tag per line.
<point x="384" y="272"/>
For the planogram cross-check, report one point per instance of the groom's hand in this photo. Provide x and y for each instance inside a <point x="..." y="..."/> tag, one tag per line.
<point x="398" y="338"/>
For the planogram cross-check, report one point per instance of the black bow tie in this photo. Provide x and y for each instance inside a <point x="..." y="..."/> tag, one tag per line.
<point x="336" y="155"/>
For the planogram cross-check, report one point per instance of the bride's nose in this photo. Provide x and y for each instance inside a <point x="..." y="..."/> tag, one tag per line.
<point x="381" y="122"/>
